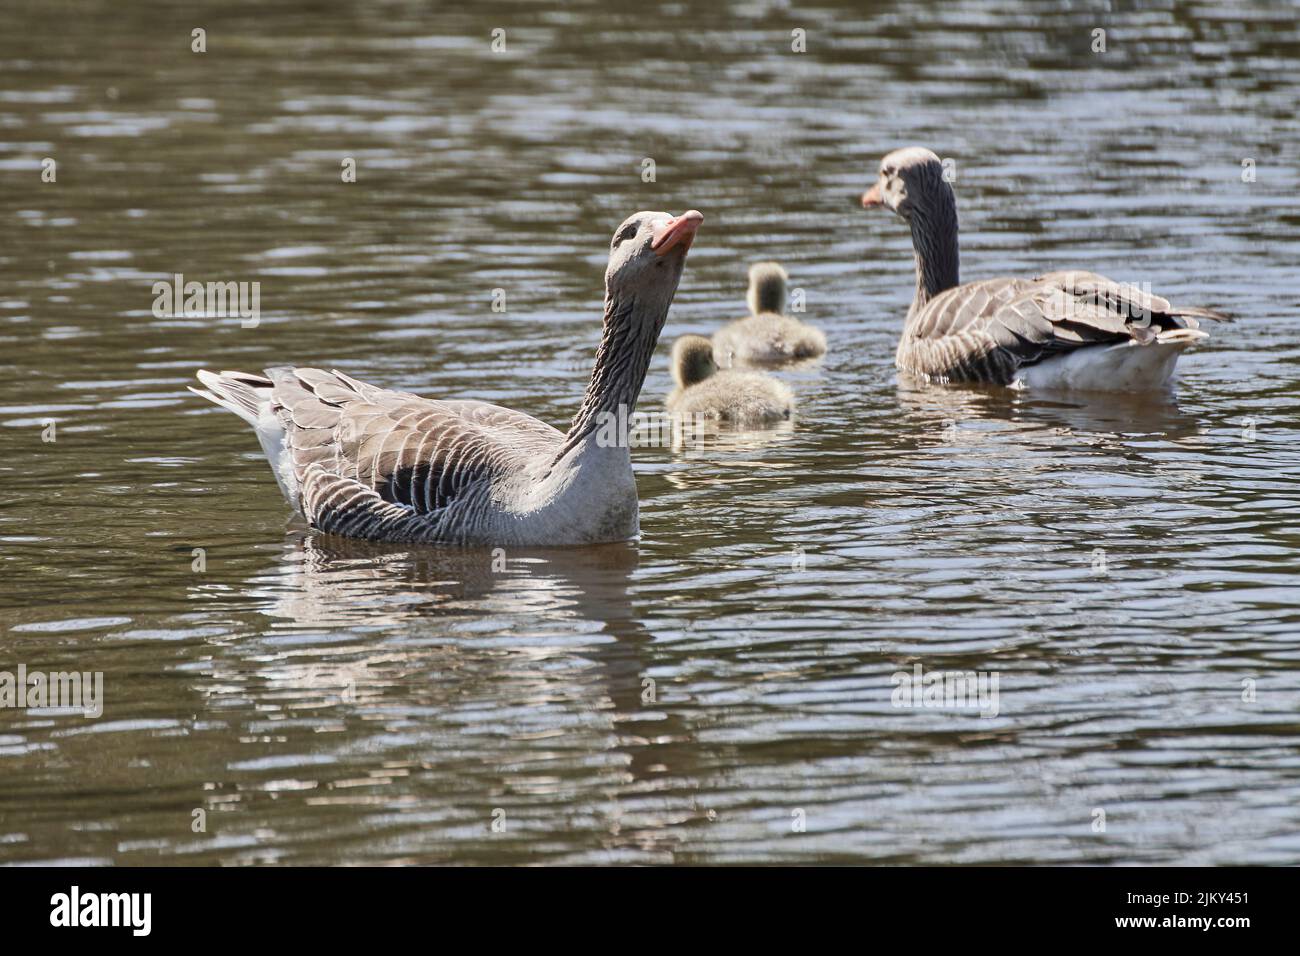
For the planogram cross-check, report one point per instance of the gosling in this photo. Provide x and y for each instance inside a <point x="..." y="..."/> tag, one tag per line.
<point x="737" y="396"/>
<point x="765" y="336"/>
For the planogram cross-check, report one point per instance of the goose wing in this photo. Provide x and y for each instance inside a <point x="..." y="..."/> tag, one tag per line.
<point x="985" y="331"/>
<point x="375" y="462"/>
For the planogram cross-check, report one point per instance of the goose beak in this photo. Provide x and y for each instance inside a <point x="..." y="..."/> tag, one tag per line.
<point x="678" y="231"/>
<point x="871" y="197"/>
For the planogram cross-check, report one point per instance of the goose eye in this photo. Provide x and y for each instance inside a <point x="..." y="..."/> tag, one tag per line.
<point x="628" y="232"/>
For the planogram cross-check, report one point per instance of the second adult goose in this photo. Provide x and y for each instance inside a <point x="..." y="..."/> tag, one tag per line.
<point x="739" y="396"/>
<point x="766" y="336"/>
<point x="1070" y="329"/>
<point x="366" y="462"/>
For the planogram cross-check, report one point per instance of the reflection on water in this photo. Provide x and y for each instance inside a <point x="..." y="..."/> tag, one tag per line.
<point x="719" y="691"/>
<point x="1084" y="418"/>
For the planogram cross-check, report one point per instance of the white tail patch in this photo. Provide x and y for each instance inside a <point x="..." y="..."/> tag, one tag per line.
<point x="1127" y="367"/>
<point x="249" y="397"/>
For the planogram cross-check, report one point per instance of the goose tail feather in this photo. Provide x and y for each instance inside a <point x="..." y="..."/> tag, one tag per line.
<point x="1191" y="314"/>
<point x="1180" y="336"/>
<point x="240" y="392"/>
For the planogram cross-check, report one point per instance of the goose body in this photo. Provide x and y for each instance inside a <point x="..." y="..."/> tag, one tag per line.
<point x="368" y="462"/>
<point x="738" y="396"/>
<point x="1064" y="330"/>
<point x="766" y="336"/>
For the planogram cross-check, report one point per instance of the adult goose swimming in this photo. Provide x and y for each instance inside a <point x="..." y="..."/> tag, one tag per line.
<point x="1063" y="330"/>
<point x="367" y="462"/>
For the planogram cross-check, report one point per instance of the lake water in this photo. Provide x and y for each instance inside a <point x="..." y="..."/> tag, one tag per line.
<point x="722" y="689"/>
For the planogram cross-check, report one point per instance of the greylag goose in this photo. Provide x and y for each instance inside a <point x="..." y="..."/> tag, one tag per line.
<point x="1070" y="329"/>
<point x="739" y="396"/>
<point x="366" y="462"/>
<point x="765" y="336"/>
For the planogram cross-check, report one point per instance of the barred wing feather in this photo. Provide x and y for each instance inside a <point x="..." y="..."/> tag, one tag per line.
<point x="986" y="331"/>
<point x="372" y="462"/>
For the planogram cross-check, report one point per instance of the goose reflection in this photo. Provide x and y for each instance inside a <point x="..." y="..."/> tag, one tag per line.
<point x="500" y="630"/>
<point x="1103" y="419"/>
<point x="726" y="456"/>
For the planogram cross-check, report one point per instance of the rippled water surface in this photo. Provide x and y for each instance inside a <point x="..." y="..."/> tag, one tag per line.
<point x="719" y="691"/>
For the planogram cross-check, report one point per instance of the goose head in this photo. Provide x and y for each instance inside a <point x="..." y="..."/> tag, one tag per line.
<point x="767" y="288"/>
<point x="692" y="360"/>
<point x="646" y="257"/>
<point x="911" y="184"/>
<point x="647" y="254"/>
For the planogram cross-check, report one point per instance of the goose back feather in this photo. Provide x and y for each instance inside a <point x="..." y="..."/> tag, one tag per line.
<point x="991" y="330"/>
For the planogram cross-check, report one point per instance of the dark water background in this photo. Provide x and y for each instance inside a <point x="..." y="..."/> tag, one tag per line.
<point x="327" y="702"/>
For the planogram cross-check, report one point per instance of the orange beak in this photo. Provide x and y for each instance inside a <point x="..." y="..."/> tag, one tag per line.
<point x="678" y="231"/>
<point x="872" y="198"/>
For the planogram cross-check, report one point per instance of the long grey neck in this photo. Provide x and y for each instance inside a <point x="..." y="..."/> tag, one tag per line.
<point x="622" y="360"/>
<point x="934" y="241"/>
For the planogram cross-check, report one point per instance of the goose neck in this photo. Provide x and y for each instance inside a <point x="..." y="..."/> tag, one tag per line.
<point x="934" y="243"/>
<point x="626" y="347"/>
